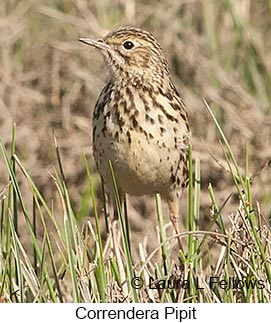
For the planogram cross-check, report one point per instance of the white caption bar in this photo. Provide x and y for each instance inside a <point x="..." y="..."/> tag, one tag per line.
<point x="211" y="313"/>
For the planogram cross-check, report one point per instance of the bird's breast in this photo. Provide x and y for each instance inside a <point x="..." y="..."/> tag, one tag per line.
<point x="140" y="139"/>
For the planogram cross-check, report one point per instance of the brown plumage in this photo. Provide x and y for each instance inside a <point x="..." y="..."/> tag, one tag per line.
<point x="140" y="122"/>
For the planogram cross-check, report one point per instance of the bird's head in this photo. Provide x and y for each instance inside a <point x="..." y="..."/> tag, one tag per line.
<point x="133" y="54"/>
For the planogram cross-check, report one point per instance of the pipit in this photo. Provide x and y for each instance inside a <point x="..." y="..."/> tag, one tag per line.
<point x="140" y="121"/>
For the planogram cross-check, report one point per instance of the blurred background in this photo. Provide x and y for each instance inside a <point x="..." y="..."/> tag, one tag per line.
<point x="219" y="51"/>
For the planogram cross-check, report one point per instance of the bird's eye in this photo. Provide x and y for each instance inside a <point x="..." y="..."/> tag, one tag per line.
<point x="128" y="44"/>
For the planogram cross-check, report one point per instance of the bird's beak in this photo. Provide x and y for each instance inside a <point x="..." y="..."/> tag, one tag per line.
<point x="99" y="44"/>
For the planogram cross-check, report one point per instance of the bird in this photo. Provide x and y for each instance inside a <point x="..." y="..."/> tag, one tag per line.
<point x="140" y="122"/>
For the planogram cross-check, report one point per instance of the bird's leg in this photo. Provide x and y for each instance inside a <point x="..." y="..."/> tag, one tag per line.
<point x="115" y="214"/>
<point x="116" y="237"/>
<point x="173" y="205"/>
